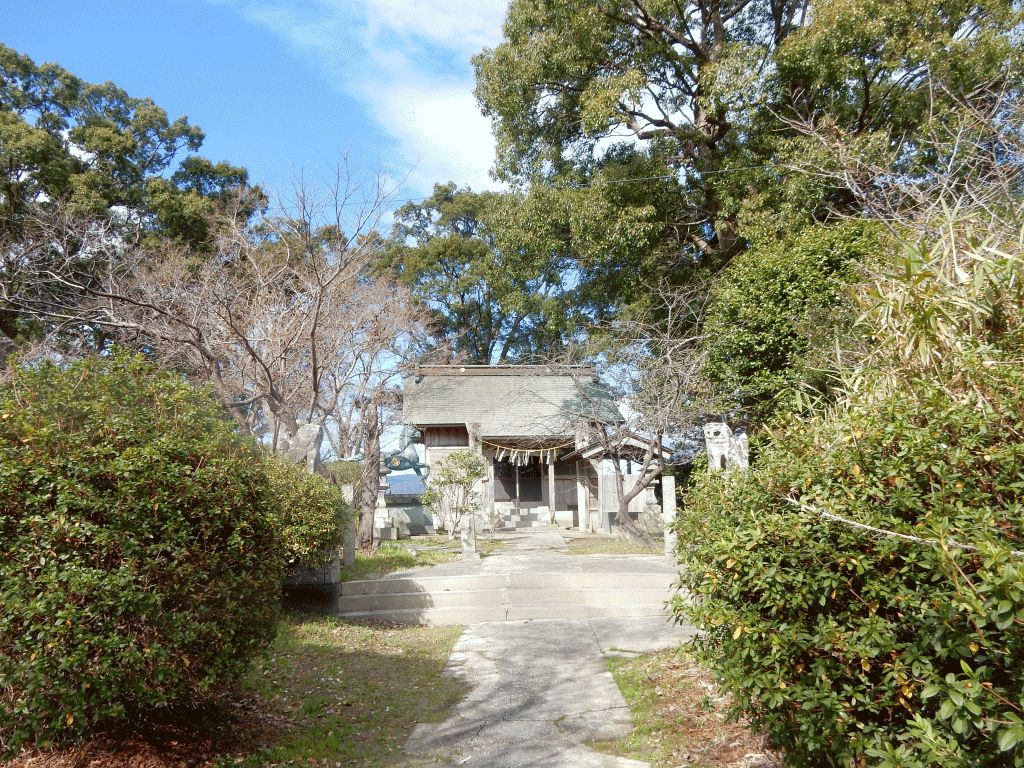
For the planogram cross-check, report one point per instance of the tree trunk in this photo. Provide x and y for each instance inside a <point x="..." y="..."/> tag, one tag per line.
<point x="369" y="482"/>
<point x="630" y="530"/>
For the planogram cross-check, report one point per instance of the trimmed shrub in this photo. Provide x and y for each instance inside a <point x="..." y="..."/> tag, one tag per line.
<point x="848" y="647"/>
<point x="777" y="306"/>
<point x="309" y="510"/>
<point x="346" y="471"/>
<point x="138" y="562"/>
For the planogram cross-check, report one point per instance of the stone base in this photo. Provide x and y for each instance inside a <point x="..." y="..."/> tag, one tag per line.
<point x="327" y="572"/>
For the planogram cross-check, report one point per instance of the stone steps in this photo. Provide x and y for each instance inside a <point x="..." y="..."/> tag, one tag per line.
<point x="391" y="601"/>
<point x="478" y="614"/>
<point x="425" y="584"/>
<point x="635" y="577"/>
<point x="507" y="597"/>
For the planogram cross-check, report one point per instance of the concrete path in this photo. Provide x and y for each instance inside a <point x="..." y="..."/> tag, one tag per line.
<point x="532" y="577"/>
<point x="539" y="690"/>
<point x="535" y="550"/>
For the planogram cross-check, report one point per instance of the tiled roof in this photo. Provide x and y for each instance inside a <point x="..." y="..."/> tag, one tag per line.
<point x="508" y="401"/>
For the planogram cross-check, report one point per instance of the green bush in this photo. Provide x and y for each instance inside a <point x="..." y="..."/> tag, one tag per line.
<point x="451" y="493"/>
<point x="778" y="307"/>
<point x="346" y="471"/>
<point x="847" y="647"/>
<point x="310" y="512"/>
<point x="138" y="562"/>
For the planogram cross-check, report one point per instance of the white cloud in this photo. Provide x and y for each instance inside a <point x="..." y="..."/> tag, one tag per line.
<point x="441" y="132"/>
<point x="408" y="62"/>
<point x="459" y="25"/>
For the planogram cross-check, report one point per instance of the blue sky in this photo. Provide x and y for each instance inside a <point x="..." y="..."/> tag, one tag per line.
<point x="288" y="87"/>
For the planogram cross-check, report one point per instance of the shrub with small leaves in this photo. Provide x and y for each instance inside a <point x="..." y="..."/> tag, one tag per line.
<point x="849" y="647"/>
<point x="778" y="307"/>
<point x="309" y="511"/>
<point x="138" y="563"/>
<point x="451" y="491"/>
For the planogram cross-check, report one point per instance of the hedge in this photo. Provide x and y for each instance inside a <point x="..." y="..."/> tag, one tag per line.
<point x="139" y="566"/>
<point x="852" y="648"/>
<point x="310" y="513"/>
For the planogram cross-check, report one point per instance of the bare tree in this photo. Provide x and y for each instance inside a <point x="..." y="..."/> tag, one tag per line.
<point x="970" y="158"/>
<point x="954" y="200"/>
<point x="653" y="364"/>
<point x="285" y="320"/>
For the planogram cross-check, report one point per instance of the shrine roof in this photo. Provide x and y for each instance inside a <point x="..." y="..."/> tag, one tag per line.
<point x="508" y="401"/>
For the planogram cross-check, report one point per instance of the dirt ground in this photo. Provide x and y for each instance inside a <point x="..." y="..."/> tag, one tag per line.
<point x="232" y="725"/>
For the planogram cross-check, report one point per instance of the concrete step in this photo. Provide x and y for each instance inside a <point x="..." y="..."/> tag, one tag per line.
<point x="425" y="584"/>
<point x="477" y="614"/>
<point x="435" y="617"/>
<point x="631" y="579"/>
<point x="553" y="611"/>
<point x="655" y="596"/>
<point x="391" y="601"/>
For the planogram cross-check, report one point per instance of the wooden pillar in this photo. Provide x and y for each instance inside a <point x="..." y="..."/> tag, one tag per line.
<point x="600" y="497"/>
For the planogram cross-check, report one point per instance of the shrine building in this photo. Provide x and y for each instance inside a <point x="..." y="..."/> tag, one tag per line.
<point x="529" y="423"/>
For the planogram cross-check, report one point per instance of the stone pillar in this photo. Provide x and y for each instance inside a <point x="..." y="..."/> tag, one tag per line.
<point x="487" y="494"/>
<point x="467" y="528"/>
<point x="551" y="490"/>
<point x="381" y="516"/>
<point x="581" y="500"/>
<point x="601" y="516"/>
<point x="349" y="546"/>
<point x="668" y="515"/>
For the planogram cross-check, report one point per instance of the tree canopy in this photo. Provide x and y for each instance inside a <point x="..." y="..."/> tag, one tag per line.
<point x="97" y="148"/>
<point x="718" y="96"/>
<point x="93" y="152"/>
<point x="495" y="294"/>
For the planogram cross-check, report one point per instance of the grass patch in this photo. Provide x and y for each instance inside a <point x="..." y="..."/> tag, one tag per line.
<point x="350" y="694"/>
<point x="416" y="552"/>
<point x="393" y="556"/>
<point x="609" y="545"/>
<point x="679" y="715"/>
<point x="430" y="541"/>
<point x="486" y="547"/>
<point x="329" y="693"/>
<point x="440" y="541"/>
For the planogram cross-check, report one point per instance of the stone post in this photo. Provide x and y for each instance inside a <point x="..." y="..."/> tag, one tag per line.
<point x="551" y="490"/>
<point x="382" y="517"/>
<point x="668" y="515"/>
<point x="598" y="525"/>
<point x="349" y="545"/>
<point x="488" y="493"/>
<point x="349" y="538"/>
<point x="581" y="499"/>
<point x="467" y="528"/>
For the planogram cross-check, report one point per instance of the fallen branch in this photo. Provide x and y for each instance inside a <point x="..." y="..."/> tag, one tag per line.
<point x="944" y="544"/>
